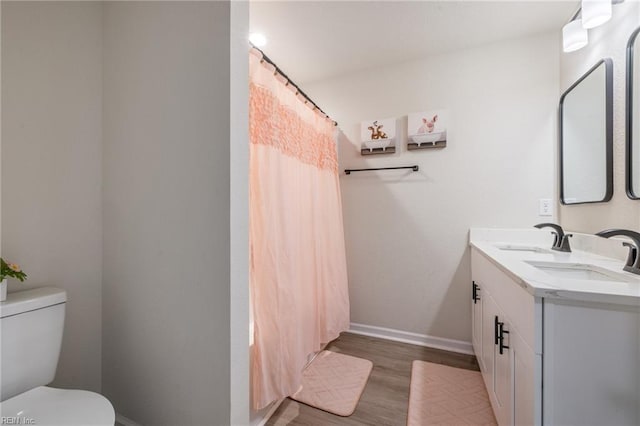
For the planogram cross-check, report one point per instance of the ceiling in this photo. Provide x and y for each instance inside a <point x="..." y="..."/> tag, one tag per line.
<point x="314" y="40"/>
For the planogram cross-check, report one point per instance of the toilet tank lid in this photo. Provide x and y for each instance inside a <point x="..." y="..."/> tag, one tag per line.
<point x="29" y="300"/>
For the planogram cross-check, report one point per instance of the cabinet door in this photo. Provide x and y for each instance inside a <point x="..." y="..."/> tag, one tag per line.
<point x="489" y="311"/>
<point x="476" y="320"/>
<point x="523" y="361"/>
<point x="502" y="372"/>
<point x="498" y="366"/>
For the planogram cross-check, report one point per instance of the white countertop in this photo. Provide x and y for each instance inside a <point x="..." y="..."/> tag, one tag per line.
<point x="540" y="284"/>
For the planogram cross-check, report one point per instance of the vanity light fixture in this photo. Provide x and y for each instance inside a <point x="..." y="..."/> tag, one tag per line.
<point x="574" y="36"/>
<point x="591" y="14"/>
<point x="595" y="12"/>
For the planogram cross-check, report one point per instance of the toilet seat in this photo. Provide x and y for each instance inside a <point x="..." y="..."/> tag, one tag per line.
<point x="59" y="407"/>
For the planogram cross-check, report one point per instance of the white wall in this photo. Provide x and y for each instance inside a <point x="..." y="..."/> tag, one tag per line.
<point x="607" y="41"/>
<point x="166" y="211"/>
<point x="51" y="166"/>
<point x="406" y="233"/>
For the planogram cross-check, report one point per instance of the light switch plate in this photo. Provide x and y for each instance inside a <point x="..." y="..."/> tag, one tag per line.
<point x="545" y="207"/>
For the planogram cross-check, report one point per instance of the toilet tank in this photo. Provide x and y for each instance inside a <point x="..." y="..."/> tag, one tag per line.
<point x="31" y="324"/>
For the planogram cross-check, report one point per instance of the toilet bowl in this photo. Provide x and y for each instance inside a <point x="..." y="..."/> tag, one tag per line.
<point x="32" y="322"/>
<point x="59" y="407"/>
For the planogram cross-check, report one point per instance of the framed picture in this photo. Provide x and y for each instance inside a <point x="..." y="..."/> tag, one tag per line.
<point x="427" y="129"/>
<point x="378" y="136"/>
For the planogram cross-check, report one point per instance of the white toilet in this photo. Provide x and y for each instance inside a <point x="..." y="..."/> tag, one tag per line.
<point x="31" y="334"/>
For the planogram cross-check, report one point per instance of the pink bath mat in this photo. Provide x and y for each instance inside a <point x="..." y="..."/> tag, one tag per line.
<point x="442" y="395"/>
<point x="334" y="382"/>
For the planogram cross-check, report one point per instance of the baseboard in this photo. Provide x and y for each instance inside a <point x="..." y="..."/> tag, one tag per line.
<point x="458" y="346"/>
<point x="120" y="419"/>
<point x="263" y="420"/>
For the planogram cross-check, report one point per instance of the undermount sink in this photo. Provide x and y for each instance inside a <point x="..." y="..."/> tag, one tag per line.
<point x="515" y="247"/>
<point x="579" y="271"/>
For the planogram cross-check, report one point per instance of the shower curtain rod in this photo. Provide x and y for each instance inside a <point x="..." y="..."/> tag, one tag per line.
<point x="290" y="82"/>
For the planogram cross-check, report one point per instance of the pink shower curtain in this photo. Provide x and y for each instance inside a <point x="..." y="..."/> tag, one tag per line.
<point x="299" y="288"/>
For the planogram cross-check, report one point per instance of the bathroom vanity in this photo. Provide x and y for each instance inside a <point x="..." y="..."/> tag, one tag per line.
<point x="557" y="335"/>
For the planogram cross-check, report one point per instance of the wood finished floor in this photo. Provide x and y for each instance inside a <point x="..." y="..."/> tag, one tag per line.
<point x="385" y="399"/>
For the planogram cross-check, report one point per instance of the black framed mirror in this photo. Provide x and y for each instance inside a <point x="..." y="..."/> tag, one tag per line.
<point x="633" y="126"/>
<point x="586" y="137"/>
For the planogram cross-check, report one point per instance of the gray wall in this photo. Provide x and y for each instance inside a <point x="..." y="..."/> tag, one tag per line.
<point x="116" y="187"/>
<point x="239" y="206"/>
<point x="166" y="211"/>
<point x="407" y="233"/>
<point x="607" y="41"/>
<point x="51" y="166"/>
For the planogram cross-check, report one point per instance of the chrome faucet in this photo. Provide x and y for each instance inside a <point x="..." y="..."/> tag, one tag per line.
<point x="560" y="239"/>
<point x="633" y="260"/>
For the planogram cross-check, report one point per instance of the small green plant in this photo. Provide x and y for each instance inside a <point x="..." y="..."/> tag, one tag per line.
<point x="11" y="270"/>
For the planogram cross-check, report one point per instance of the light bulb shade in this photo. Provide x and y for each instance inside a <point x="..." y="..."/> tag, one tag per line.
<point x="574" y="36"/>
<point x="595" y="12"/>
<point x="257" y="39"/>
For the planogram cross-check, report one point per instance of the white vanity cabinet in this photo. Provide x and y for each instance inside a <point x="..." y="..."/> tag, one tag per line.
<point x="591" y="364"/>
<point x="586" y="352"/>
<point x="507" y="360"/>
